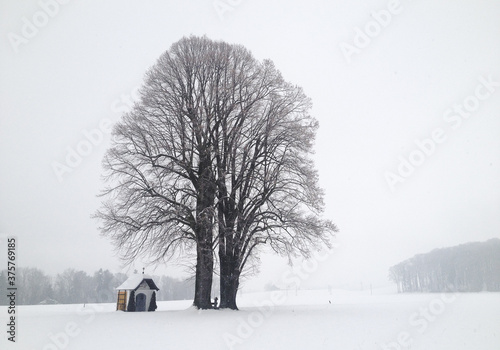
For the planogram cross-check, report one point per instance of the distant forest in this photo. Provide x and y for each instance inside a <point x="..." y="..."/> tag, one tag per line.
<point x="72" y="287"/>
<point x="471" y="267"/>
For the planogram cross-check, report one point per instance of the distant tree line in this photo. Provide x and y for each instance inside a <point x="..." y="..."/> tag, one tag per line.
<point x="72" y="287"/>
<point x="470" y="267"/>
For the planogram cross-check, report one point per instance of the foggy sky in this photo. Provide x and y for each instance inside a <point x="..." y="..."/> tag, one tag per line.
<point x="407" y="94"/>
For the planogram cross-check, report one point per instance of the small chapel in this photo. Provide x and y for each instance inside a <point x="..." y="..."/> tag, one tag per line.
<point x="137" y="293"/>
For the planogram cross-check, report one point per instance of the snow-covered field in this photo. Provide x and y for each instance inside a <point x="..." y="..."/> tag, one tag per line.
<point x="272" y="320"/>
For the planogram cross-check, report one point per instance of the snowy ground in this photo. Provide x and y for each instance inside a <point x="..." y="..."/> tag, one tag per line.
<point x="274" y="320"/>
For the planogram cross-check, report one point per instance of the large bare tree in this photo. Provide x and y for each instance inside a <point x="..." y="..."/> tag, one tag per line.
<point x="216" y="153"/>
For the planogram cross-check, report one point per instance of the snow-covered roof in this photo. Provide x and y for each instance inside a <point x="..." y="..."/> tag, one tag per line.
<point x="135" y="280"/>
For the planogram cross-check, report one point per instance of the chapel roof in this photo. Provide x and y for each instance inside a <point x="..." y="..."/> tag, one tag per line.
<point x="134" y="281"/>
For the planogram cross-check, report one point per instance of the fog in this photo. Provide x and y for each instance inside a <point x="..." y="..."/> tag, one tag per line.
<point x="407" y="95"/>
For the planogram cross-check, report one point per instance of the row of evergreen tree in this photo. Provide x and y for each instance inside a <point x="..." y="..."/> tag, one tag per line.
<point x="470" y="267"/>
<point x="72" y="286"/>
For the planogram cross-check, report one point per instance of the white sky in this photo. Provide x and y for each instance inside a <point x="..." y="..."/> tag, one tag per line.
<point x="77" y="67"/>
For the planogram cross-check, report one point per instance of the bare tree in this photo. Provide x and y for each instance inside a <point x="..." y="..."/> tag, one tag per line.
<point x="218" y="141"/>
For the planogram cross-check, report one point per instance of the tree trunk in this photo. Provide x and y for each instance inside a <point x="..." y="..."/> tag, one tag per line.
<point x="204" y="272"/>
<point x="204" y="234"/>
<point x="224" y="272"/>
<point x="233" y="290"/>
<point x="229" y="283"/>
